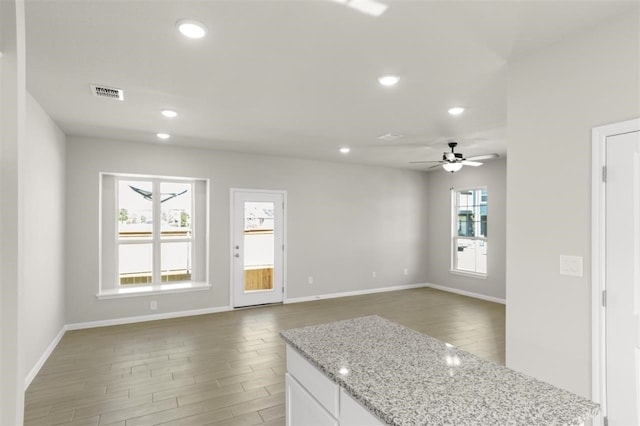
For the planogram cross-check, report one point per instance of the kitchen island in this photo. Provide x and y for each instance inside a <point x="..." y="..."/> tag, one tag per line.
<point x="371" y="371"/>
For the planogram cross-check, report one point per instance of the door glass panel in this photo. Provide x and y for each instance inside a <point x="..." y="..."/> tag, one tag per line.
<point x="258" y="246"/>
<point x="176" y="262"/>
<point x="135" y="262"/>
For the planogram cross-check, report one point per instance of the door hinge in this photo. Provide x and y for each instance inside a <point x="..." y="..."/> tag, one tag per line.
<point x="282" y="289"/>
<point x="606" y="421"/>
<point x="604" y="298"/>
<point x="604" y="174"/>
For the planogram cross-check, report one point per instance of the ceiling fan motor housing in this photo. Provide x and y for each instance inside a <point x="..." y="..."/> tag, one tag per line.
<point x="452" y="157"/>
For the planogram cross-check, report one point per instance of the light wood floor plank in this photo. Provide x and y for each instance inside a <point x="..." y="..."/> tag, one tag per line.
<point x="102" y="407"/>
<point x="210" y="417"/>
<point x="199" y="389"/>
<point x="138" y="411"/>
<point x="272" y="414"/>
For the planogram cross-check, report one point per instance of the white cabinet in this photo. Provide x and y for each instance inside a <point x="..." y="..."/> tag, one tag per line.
<point x="325" y="391"/>
<point x="302" y="408"/>
<point x="352" y="413"/>
<point x="312" y="399"/>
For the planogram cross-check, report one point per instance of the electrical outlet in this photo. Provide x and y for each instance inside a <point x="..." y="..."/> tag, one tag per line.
<point x="310" y="280"/>
<point x="406" y="271"/>
<point x="153" y="305"/>
<point x="373" y="274"/>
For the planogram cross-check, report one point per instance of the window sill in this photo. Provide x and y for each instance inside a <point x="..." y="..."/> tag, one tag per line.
<point x="468" y="274"/>
<point x="146" y="290"/>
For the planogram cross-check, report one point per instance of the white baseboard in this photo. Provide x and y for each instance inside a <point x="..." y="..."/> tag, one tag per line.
<point x="467" y="293"/>
<point x="43" y="358"/>
<point x="354" y="293"/>
<point x="144" y="318"/>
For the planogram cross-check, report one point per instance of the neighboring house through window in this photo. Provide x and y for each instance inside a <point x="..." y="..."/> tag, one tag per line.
<point x="469" y="242"/>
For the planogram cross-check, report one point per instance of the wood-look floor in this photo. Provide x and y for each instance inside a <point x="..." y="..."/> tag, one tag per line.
<point x="225" y="368"/>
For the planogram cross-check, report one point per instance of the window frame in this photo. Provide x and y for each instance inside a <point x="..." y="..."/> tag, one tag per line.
<point x="156" y="240"/>
<point x="110" y="241"/>
<point x="454" y="269"/>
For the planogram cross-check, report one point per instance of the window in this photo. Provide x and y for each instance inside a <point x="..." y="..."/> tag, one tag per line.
<point x="469" y="242"/>
<point x="153" y="235"/>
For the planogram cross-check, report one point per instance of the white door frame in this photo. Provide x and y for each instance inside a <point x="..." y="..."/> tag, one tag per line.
<point x="599" y="137"/>
<point x="233" y="191"/>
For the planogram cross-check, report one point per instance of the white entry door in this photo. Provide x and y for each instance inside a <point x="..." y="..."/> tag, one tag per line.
<point x="622" y="275"/>
<point x="257" y="247"/>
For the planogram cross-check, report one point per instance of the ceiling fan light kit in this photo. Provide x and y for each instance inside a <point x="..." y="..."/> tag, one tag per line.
<point x="452" y="167"/>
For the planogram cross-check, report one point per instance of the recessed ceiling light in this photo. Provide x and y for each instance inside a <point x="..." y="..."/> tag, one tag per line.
<point x="388" y="80"/>
<point x="345" y="150"/>
<point x="456" y="110"/>
<point x="370" y="7"/>
<point x="190" y="28"/>
<point x="163" y="135"/>
<point x="169" y="113"/>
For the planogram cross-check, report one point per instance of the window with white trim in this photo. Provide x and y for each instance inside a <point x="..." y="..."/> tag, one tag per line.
<point x="469" y="233"/>
<point x="153" y="234"/>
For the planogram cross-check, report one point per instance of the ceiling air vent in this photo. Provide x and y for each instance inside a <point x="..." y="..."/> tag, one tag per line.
<point x="390" y="136"/>
<point x="107" y="92"/>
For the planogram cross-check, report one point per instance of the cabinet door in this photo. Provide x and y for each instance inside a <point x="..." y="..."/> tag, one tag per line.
<point x="314" y="381"/>
<point x="302" y="408"/>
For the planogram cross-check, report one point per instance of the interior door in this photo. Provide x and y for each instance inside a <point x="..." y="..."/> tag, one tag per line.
<point x="257" y="247"/>
<point x="622" y="323"/>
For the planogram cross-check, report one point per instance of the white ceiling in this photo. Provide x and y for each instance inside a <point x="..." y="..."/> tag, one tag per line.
<point x="294" y="78"/>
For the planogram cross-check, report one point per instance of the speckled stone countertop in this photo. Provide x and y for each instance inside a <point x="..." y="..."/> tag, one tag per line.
<point x="409" y="378"/>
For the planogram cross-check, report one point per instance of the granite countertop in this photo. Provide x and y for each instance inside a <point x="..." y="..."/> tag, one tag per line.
<point x="408" y="378"/>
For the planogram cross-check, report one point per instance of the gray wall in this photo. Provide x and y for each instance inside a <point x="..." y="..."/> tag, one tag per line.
<point x="555" y="97"/>
<point x="44" y="210"/>
<point x="344" y="222"/>
<point x="492" y="175"/>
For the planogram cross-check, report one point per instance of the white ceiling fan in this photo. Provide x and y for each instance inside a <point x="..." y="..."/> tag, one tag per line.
<point x="453" y="161"/>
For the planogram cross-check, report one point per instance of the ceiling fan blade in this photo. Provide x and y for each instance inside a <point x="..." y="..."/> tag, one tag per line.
<point x="429" y="161"/>
<point x="483" y="157"/>
<point x="471" y="163"/>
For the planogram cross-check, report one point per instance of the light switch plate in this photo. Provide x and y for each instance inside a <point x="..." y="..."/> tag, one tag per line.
<point x="571" y="266"/>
